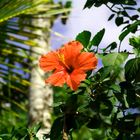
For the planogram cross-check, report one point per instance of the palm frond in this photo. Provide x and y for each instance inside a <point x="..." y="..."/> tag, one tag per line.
<point x="12" y="8"/>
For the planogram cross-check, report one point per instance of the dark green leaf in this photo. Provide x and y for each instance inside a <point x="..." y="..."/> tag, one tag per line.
<point x="120" y="97"/>
<point x="89" y="3"/>
<point x="98" y="3"/>
<point x="135" y="17"/>
<point x="132" y="69"/>
<point x="119" y="21"/>
<point x="129" y="8"/>
<point x="130" y="100"/>
<point x="126" y="2"/>
<point x="94" y="122"/>
<point x="56" y="130"/>
<point x="106" y="107"/>
<point x="111" y="16"/>
<point x="84" y="38"/>
<point x="70" y="121"/>
<point x="111" y="46"/>
<point x="124" y="34"/>
<point x="97" y="38"/>
<point x="81" y="119"/>
<point x="125" y="14"/>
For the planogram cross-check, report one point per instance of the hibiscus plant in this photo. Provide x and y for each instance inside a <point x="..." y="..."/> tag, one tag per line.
<point x="91" y="102"/>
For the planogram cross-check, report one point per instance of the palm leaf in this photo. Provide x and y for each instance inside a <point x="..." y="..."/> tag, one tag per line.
<point x="12" y="8"/>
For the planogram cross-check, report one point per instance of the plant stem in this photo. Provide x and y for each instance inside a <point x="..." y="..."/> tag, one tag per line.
<point x="111" y="9"/>
<point x="65" y="135"/>
<point x="119" y="48"/>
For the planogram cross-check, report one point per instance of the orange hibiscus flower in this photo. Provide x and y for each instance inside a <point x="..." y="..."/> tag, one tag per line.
<point x="69" y="65"/>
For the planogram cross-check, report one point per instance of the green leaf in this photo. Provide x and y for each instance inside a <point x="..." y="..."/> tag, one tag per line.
<point x="97" y="38"/>
<point x="111" y="17"/>
<point x="129" y="8"/>
<point x="115" y="87"/>
<point x="132" y="69"/>
<point x="128" y="30"/>
<point x="84" y="38"/>
<point x="135" y="17"/>
<point x="135" y="42"/>
<point x="15" y="8"/>
<point x="89" y="3"/>
<point x="119" y="21"/>
<point x="111" y="46"/>
<point x="104" y="72"/>
<point x="125" y="14"/>
<point x="114" y="59"/>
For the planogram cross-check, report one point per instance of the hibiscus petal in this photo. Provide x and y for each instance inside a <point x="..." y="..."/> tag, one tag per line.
<point x="71" y="50"/>
<point x="73" y="80"/>
<point x="49" y="61"/>
<point x="58" y="78"/>
<point x="86" y="61"/>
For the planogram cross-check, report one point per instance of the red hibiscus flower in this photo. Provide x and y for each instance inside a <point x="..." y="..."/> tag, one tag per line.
<point x="69" y="65"/>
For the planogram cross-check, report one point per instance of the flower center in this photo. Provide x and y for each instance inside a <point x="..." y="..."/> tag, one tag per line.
<point x="70" y="69"/>
<point x="62" y="60"/>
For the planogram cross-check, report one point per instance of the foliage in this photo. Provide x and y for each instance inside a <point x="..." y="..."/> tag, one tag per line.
<point x="106" y="105"/>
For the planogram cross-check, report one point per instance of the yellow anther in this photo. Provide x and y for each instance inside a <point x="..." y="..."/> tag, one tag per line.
<point x="62" y="59"/>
